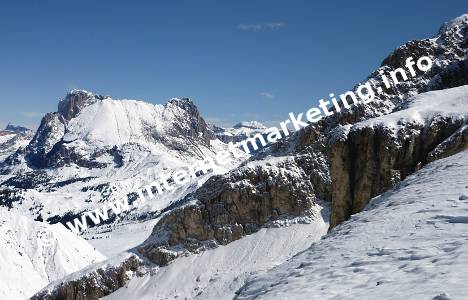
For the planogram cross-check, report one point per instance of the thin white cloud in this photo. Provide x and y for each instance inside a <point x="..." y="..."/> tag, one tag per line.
<point x="267" y="95"/>
<point x="31" y="114"/>
<point x="261" y="26"/>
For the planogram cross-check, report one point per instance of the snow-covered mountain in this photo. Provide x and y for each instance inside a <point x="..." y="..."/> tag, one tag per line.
<point x="410" y="242"/>
<point x="13" y="138"/>
<point x="33" y="254"/>
<point x="228" y="232"/>
<point x="229" y="254"/>
<point x="238" y="132"/>
<point x="94" y="149"/>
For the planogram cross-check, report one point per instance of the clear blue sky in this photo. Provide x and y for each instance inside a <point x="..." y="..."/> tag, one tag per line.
<point x="238" y="60"/>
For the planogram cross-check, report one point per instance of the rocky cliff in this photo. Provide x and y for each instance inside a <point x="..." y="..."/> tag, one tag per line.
<point x="345" y="159"/>
<point x="229" y="207"/>
<point x="346" y="169"/>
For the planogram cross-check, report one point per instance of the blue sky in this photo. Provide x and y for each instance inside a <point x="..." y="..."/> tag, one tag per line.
<point x="238" y="60"/>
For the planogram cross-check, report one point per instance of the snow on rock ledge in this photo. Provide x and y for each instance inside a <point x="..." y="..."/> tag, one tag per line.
<point x="410" y="243"/>
<point x="374" y="155"/>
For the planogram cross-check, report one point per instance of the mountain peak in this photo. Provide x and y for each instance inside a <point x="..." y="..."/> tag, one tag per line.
<point x="17" y="129"/>
<point x="184" y="103"/>
<point x="75" y="100"/>
<point x="250" y="125"/>
<point x="457" y="22"/>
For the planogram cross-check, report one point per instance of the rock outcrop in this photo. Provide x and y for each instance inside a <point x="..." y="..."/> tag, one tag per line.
<point x="348" y="169"/>
<point x="92" y="285"/>
<point x="75" y="101"/>
<point x="341" y="159"/>
<point x="371" y="160"/>
<point x="190" y="124"/>
<point x="238" y="132"/>
<point x="229" y="207"/>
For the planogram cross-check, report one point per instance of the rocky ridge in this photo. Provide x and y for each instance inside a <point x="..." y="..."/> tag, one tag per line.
<point x="380" y="155"/>
<point x="317" y="157"/>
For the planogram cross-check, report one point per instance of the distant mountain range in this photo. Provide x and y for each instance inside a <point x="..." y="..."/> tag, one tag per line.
<point x="220" y="237"/>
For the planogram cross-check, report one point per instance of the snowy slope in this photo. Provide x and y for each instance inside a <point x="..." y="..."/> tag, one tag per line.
<point x="410" y="243"/>
<point x="218" y="273"/>
<point x="114" y="122"/>
<point x="95" y="149"/>
<point x="32" y="254"/>
<point x="11" y="141"/>
<point x="238" y="132"/>
<point x="451" y="103"/>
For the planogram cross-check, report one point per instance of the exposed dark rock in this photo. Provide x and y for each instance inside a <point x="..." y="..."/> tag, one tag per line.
<point x="371" y="160"/>
<point x="92" y="285"/>
<point x="30" y="180"/>
<point x="48" y="134"/>
<point x="194" y="126"/>
<point x="9" y="196"/>
<point x="348" y="170"/>
<point x="454" y="144"/>
<point x="228" y="208"/>
<point x="74" y="103"/>
<point x="17" y="129"/>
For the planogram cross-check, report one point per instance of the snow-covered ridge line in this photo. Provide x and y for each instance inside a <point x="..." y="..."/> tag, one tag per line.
<point x="41" y="261"/>
<point x="409" y="243"/>
<point x="181" y="176"/>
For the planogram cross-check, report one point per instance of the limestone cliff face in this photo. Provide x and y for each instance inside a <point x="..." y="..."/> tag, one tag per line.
<point x="336" y="162"/>
<point x="94" y="284"/>
<point x="371" y="160"/>
<point x="454" y="144"/>
<point x="75" y="101"/>
<point x="229" y="207"/>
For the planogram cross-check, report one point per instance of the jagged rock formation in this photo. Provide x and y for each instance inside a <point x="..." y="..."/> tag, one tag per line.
<point x="238" y="132"/>
<point x="12" y="139"/>
<point x="371" y="157"/>
<point x="190" y="124"/>
<point x="457" y="142"/>
<point x="93" y="285"/>
<point x="49" y="133"/>
<point x="53" y="145"/>
<point x="18" y="129"/>
<point x="348" y="171"/>
<point x="343" y="159"/>
<point x="230" y="207"/>
<point x="75" y="101"/>
<point x="95" y="148"/>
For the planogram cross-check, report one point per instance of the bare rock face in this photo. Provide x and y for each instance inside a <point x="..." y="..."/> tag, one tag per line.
<point x="18" y="129"/>
<point x="228" y="208"/>
<point x="348" y="169"/>
<point x="74" y="102"/>
<point x="457" y="142"/>
<point x="371" y="160"/>
<point x="48" y="137"/>
<point x="48" y="134"/>
<point x="197" y="127"/>
<point x="373" y="153"/>
<point x="92" y="285"/>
